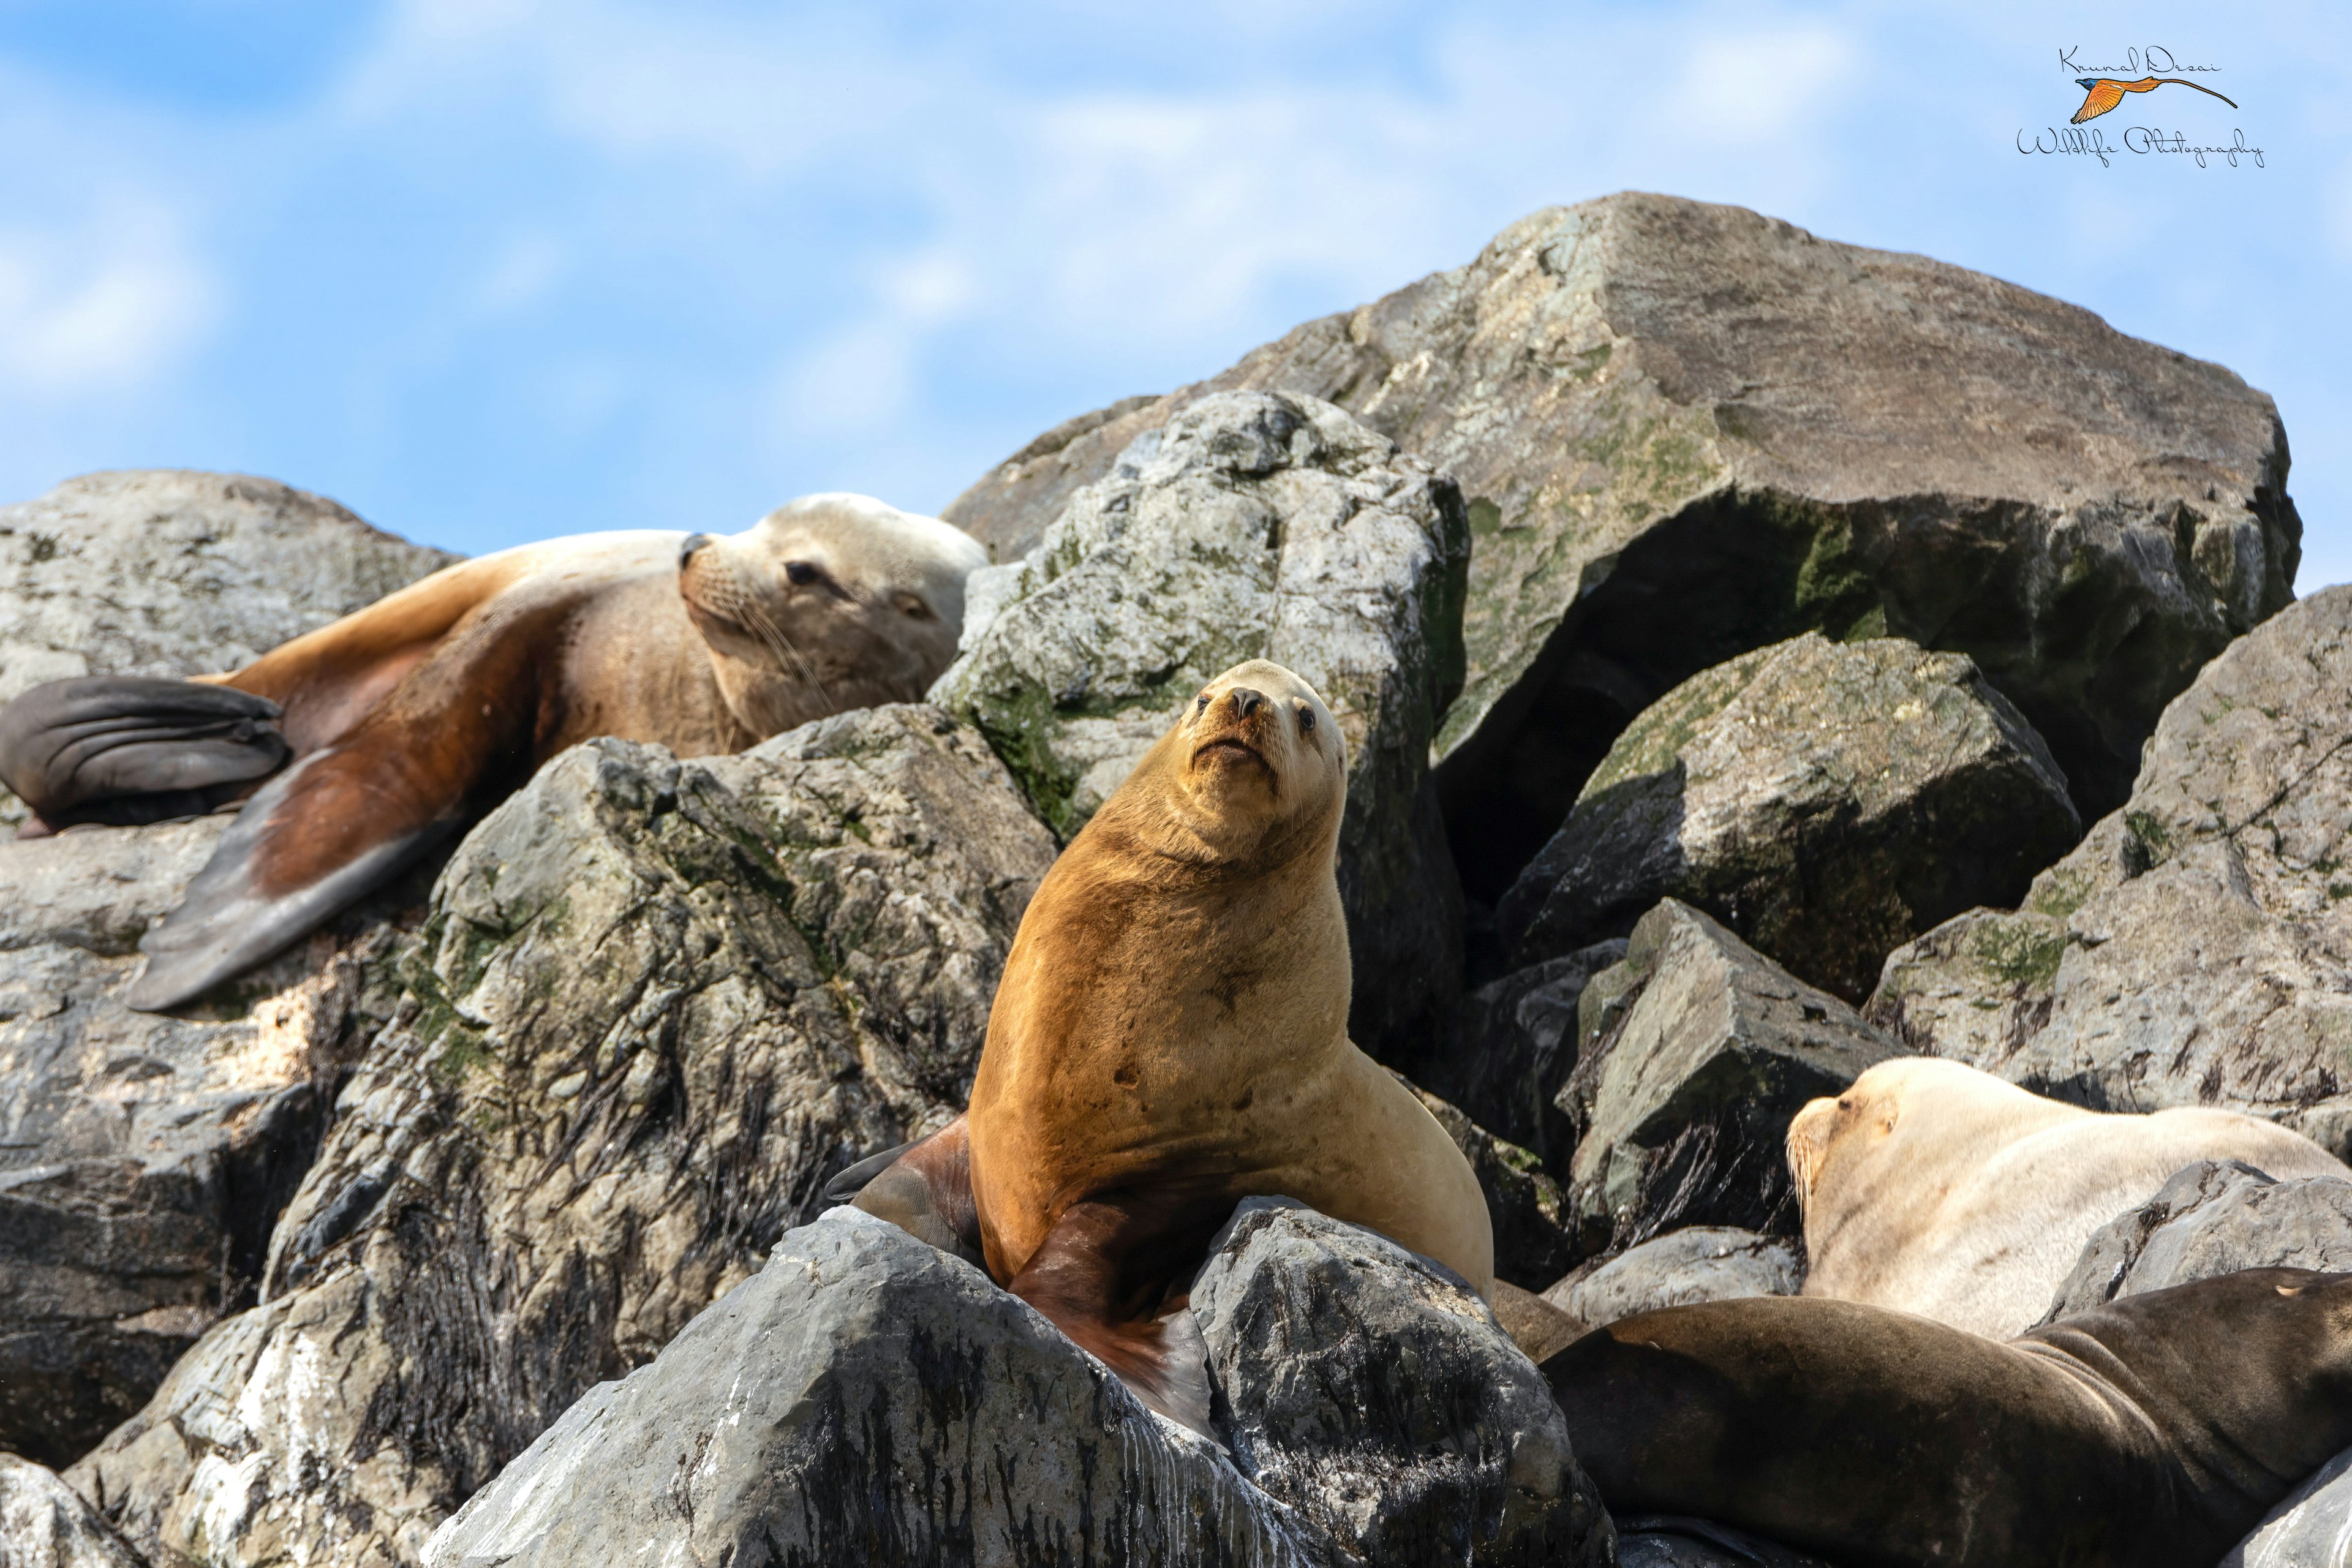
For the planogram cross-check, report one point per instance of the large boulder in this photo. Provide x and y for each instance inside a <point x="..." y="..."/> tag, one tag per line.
<point x="144" y="1157"/>
<point x="865" y="1398"/>
<point x="2196" y="948"/>
<point x="1513" y="1047"/>
<point x="2218" y="1216"/>
<point x="1696" y="1052"/>
<point x="2309" y="1529"/>
<point x="1827" y="801"/>
<point x="1698" y="1263"/>
<point x="655" y="1006"/>
<point x="171" y="572"/>
<point x="44" y="1523"/>
<point x="1252" y="527"/>
<point x="1695" y="1543"/>
<point x="1686" y="431"/>
<point x="1534" y="1238"/>
<point x="1374" y="1392"/>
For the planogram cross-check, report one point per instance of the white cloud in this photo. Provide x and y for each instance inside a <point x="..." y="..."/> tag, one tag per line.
<point x="110" y="301"/>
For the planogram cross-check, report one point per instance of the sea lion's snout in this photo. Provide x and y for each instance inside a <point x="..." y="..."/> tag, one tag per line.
<point x="1244" y="701"/>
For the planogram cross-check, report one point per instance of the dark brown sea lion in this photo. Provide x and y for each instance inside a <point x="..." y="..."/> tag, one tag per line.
<point x="409" y="719"/>
<point x="2153" y="1431"/>
<point x="1171" y="1037"/>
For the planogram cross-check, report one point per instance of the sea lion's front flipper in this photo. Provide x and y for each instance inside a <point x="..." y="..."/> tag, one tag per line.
<point x="1104" y="1276"/>
<point x="127" y="748"/>
<point x="924" y="1188"/>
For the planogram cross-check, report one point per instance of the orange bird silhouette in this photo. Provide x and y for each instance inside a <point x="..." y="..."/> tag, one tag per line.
<point x="2106" y="92"/>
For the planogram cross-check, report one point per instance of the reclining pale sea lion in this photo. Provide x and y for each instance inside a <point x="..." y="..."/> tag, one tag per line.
<point x="1935" y="1188"/>
<point x="407" y="720"/>
<point x="1171" y="1037"/>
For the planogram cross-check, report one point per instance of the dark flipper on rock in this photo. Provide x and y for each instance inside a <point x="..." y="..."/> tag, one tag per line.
<point x="127" y="748"/>
<point x="924" y="1188"/>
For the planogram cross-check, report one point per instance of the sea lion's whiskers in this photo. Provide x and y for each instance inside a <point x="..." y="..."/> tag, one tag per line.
<point x="773" y="636"/>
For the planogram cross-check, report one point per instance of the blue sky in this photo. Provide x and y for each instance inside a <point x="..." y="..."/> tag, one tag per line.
<point x="489" y="271"/>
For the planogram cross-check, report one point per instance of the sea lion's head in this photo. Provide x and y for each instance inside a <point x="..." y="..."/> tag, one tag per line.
<point x="1846" y="1126"/>
<point x="829" y="602"/>
<point x="1254" y="772"/>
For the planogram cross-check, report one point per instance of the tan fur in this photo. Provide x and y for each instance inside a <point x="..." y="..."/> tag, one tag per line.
<point x="1935" y="1188"/>
<point x="1173" y="1012"/>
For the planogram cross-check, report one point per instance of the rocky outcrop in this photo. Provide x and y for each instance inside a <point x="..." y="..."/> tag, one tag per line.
<point x="1696" y="1052"/>
<point x="1700" y="1263"/>
<point x="2309" y="1529"/>
<point x="1827" y="801"/>
<point x="170" y="572"/>
<point x="1695" y="1543"/>
<point x="2196" y="948"/>
<point x="1513" y="1047"/>
<point x="144" y="1157"/>
<point x="1373" y="1391"/>
<point x="1686" y="431"/>
<point x="1533" y="1237"/>
<point x="865" y="1398"/>
<point x="44" y="1523"/>
<point x="2215" y="1217"/>
<point x="1252" y="527"/>
<point x="655" y="1006"/>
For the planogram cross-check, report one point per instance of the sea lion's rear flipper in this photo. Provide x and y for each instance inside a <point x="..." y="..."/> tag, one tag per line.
<point x="1104" y="1276"/>
<point x="924" y="1188"/>
<point x="129" y="749"/>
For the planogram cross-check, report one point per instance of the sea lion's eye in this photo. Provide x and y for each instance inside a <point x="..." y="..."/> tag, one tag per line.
<point x="1306" y="719"/>
<point x="1201" y="704"/>
<point x="801" y="573"/>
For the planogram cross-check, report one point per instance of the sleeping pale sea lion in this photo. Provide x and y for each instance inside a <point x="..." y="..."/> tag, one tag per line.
<point x="1170" y="1037"/>
<point x="1939" y="1189"/>
<point x="407" y="720"/>
<point x="2153" y="1431"/>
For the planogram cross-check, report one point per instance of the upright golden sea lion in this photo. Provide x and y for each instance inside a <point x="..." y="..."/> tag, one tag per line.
<point x="1171" y="1038"/>
<point x="409" y="719"/>
<point x="1937" y="1188"/>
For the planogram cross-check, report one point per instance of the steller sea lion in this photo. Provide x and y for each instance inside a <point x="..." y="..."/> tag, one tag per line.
<point x="1170" y="1037"/>
<point x="407" y="720"/>
<point x="1935" y="1188"/>
<point x="2153" y="1431"/>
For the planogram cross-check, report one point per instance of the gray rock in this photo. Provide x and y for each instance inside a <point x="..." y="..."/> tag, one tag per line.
<point x="2215" y="1217"/>
<point x="865" y="1398"/>
<point x="1686" y="431"/>
<point x="1515" y="1046"/>
<point x="1699" y="1262"/>
<point x="1533" y="1237"/>
<point x="171" y="572"/>
<point x="2196" y="948"/>
<point x="144" y="1157"/>
<point x="1828" y="802"/>
<point x="1697" y="1543"/>
<point x="2309" y="1529"/>
<point x="1374" y="1392"/>
<point x="1696" y="1052"/>
<point x="1252" y="527"/>
<point x="655" y="1006"/>
<point x="44" y="1523"/>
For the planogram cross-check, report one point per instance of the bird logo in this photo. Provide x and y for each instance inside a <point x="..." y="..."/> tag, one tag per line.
<point x="2106" y="92"/>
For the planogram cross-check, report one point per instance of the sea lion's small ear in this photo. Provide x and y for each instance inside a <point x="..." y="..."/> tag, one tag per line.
<point x="911" y="605"/>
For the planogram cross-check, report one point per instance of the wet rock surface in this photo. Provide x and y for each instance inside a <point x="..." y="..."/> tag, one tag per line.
<point x="1252" y="527"/>
<point x="865" y="1398"/>
<point x="2309" y="1529"/>
<point x="2216" y="1218"/>
<point x="1828" y="802"/>
<point x="1699" y="1262"/>
<point x="1687" y="431"/>
<point x="45" y="1523"/>
<point x="1696" y="1543"/>
<point x="144" y="1157"/>
<point x="173" y="571"/>
<point x="653" y="1006"/>
<point x="2196" y="948"/>
<point x="1373" y="1391"/>
<point x="1698" y="1050"/>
